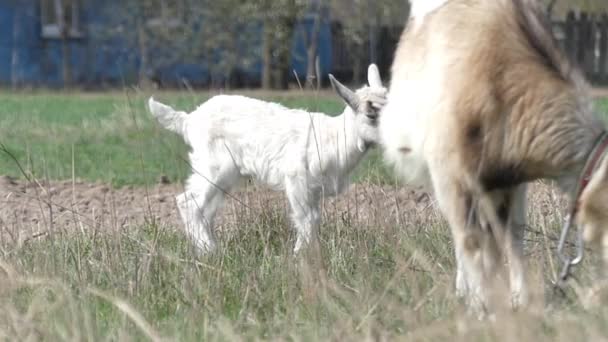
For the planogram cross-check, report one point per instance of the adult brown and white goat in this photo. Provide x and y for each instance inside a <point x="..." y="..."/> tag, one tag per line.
<point x="481" y="102"/>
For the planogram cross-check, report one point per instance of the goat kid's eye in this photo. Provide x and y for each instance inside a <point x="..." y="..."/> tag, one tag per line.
<point x="372" y="111"/>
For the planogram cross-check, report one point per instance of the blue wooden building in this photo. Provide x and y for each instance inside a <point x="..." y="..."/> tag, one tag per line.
<point x="32" y="49"/>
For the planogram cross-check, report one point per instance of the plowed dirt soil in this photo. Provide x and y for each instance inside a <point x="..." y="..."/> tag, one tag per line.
<point x="30" y="208"/>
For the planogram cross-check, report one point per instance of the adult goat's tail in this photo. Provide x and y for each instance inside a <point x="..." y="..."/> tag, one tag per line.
<point x="168" y="117"/>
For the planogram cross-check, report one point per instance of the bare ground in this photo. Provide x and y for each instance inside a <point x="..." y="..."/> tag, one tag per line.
<point x="29" y="208"/>
<point x="600" y="92"/>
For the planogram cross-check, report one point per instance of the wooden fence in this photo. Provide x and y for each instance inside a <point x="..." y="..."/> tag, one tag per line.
<point x="585" y="38"/>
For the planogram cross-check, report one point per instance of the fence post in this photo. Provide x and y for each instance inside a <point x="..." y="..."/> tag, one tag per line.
<point x="603" y="61"/>
<point x="570" y="35"/>
<point x="583" y="42"/>
<point x="592" y="41"/>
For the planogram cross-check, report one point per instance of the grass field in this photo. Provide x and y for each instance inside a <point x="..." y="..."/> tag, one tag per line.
<point x="373" y="282"/>
<point x="112" y="138"/>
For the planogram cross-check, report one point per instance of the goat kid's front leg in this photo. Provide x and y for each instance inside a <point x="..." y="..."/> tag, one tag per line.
<point x="307" y="222"/>
<point x="305" y="214"/>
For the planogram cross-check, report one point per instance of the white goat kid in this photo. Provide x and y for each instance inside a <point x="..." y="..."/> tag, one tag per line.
<point x="305" y="154"/>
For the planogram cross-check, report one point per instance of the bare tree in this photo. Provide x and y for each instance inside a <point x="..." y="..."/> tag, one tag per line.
<point x="550" y="7"/>
<point x="311" y="40"/>
<point x="15" y="48"/>
<point x="222" y="37"/>
<point x="279" y="18"/>
<point x="360" y="21"/>
<point x="62" y="10"/>
<point x="229" y="40"/>
<point x="129" y="20"/>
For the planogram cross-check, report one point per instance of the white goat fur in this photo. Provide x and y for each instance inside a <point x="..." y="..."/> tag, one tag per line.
<point x="305" y="154"/>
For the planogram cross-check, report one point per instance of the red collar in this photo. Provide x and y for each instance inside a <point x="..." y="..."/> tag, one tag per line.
<point x="593" y="160"/>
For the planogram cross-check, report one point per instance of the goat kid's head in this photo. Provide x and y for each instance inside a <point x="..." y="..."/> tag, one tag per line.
<point x="366" y="104"/>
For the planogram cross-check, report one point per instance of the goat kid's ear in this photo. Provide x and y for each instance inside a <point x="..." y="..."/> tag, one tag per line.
<point x="373" y="76"/>
<point x="349" y="96"/>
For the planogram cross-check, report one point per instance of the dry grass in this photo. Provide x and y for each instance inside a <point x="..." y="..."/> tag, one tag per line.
<point x="385" y="271"/>
<point x="377" y="279"/>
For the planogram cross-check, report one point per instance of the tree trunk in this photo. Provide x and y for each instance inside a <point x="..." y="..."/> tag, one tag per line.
<point x="15" y="52"/>
<point x="65" y="44"/>
<point x="312" y="47"/>
<point x="550" y="7"/>
<point x="571" y="33"/>
<point x="604" y="48"/>
<point x="66" y="65"/>
<point x="283" y="52"/>
<point x="358" y="58"/>
<point x="267" y="56"/>
<point x="143" y="79"/>
<point x="283" y="70"/>
<point x="277" y="44"/>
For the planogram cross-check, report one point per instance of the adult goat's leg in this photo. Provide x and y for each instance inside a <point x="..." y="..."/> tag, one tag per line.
<point x="514" y="245"/>
<point x="462" y="285"/>
<point x="459" y="206"/>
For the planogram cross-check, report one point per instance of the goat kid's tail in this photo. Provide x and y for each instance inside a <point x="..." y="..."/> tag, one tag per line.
<point x="168" y="117"/>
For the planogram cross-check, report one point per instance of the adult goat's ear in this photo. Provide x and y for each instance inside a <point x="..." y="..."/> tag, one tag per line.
<point x="599" y="180"/>
<point x="373" y="76"/>
<point x="593" y="205"/>
<point x="349" y="96"/>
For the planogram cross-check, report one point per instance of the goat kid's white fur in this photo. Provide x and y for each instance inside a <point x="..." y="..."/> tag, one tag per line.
<point x="305" y="154"/>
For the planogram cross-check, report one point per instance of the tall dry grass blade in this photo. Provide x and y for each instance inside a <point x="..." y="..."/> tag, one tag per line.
<point x="135" y="316"/>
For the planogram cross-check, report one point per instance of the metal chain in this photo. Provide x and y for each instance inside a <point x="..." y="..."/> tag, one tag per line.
<point x="567" y="260"/>
<point x="590" y="166"/>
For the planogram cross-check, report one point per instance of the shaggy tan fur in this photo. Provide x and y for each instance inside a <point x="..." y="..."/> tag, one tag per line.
<point x="499" y="105"/>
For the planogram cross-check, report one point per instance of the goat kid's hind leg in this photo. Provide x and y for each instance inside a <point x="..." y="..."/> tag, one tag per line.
<point x="305" y="213"/>
<point x="197" y="225"/>
<point x="198" y="214"/>
<point x="198" y="206"/>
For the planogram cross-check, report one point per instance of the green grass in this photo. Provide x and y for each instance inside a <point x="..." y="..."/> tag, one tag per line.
<point x="112" y="138"/>
<point x="107" y="137"/>
<point x="602" y="107"/>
